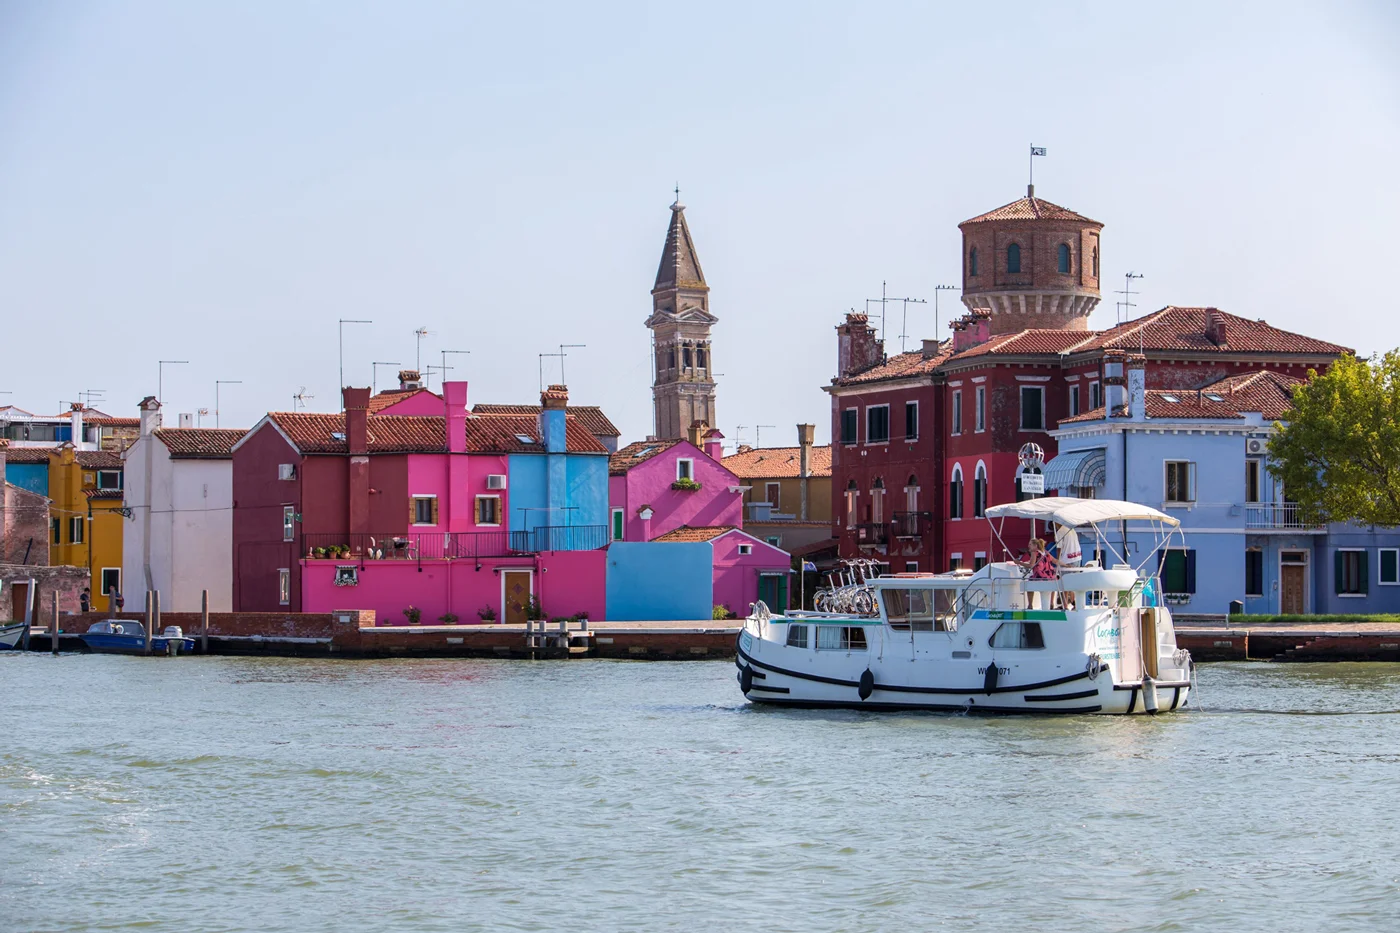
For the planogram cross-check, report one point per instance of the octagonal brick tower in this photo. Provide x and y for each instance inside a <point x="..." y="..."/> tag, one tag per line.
<point x="1031" y="264"/>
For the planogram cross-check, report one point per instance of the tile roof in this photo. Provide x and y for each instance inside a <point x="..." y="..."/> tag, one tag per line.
<point x="1028" y="342"/>
<point x="1030" y="209"/>
<point x="901" y="366"/>
<point x="28" y="454"/>
<point x="590" y="416"/>
<point x="383" y="400"/>
<point x="501" y="434"/>
<point x="1174" y="328"/>
<point x="113" y="422"/>
<point x="1266" y="393"/>
<point x="637" y="452"/>
<point x="701" y="533"/>
<point x="200" y="443"/>
<point x="103" y="493"/>
<point x="777" y="462"/>
<point x="311" y="433"/>
<point x="99" y="459"/>
<point x="679" y="266"/>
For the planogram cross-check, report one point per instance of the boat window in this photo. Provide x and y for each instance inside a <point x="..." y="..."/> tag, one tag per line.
<point x="922" y="610"/>
<point x="1018" y="635"/>
<point x="841" y="638"/>
<point x="797" y="636"/>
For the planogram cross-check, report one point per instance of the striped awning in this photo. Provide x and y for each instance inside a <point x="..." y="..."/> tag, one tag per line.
<point x="1076" y="468"/>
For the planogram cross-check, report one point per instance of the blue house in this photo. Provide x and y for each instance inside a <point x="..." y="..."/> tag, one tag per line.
<point x="1202" y="457"/>
<point x="559" y="494"/>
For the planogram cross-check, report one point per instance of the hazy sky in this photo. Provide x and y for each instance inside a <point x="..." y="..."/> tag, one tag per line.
<point x="220" y="182"/>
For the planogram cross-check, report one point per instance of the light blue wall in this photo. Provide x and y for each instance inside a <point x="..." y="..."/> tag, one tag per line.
<point x="577" y="480"/>
<point x="31" y="476"/>
<point x="527" y="482"/>
<point x="651" y="582"/>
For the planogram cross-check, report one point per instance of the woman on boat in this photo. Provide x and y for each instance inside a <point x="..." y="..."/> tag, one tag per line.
<point x="1041" y="563"/>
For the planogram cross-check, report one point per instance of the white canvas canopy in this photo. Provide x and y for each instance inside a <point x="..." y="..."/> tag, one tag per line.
<point x="1079" y="512"/>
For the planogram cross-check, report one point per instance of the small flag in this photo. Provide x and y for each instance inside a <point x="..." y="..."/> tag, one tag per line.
<point x="1037" y="150"/>
<point x="808" y="566"/>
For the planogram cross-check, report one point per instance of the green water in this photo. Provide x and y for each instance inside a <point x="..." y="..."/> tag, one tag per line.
<point x="216" y="794"/>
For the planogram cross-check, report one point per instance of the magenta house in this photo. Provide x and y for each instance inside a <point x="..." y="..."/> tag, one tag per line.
<point x="658" y="486"/>
<point x="425" y="519"/>
<point x="745" y="568"/>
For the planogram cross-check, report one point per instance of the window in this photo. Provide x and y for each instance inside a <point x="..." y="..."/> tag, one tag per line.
<point x="289" y="523"/>
<point x="911" y="566"/>
<point x="1254" y="572"/>
<point x="911" y="421"/>
<point x="1018" y="635"/>
<point x="745" y="549"/>
<point x="911" y="494"/>
<point x="957" y="413"/>
<point x="1390" y="566"/>
<point x="954" y="562"/>
<point x="1062" y="259"/>
<point x="424" y="510"/>
<point x="773" y="493"/>
<point x="75" y="530"/>
<point x="56" y="529"/>
<point x="488" y="511"/>
<point x="111" y="580"/>
<point x="1095" y="396"/>
<point x="849" y="423"/>
<point x="1096" y="262"/>
<point x="685" y="357"/>
<point x="979" y="492"/>
<point x="284" y="587"/>
<point x="840" y="638"/>
<point x="700" y="357"/>
<point x="1177" y="568"/>
<point x="347" y="575"/>
<point x="1351" y="573"/>
<point x="981" y="401"/>
<point x="1181" y="481"/>
<point x="1073" y="401"/>
<point x="1013" y="258"/>
<point x="617" y="525"/>
<point x="775" y="540"/>
<point x="797" y="636"/>
<point x="877" y="424"/>
<point x="1032" y="408"/>
<point x="852" y="496"/>
<point x="1251" y="481"/>
<point x="673" y="358"/>
<point x="955" y="494"/>
<point x="109" y="479"/>
<point x="877" y="501"/>
<point x="972" y="262"/>
<point x="979" y="560"/>
<point x="685" y="468"/>
<point x="286" y="471"/>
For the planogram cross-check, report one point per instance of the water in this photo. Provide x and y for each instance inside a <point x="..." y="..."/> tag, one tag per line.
<point x="217" y="794"/>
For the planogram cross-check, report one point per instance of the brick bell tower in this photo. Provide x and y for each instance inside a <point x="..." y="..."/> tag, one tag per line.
<point x="683" y="387"/>
<point x="1031" y="264"/>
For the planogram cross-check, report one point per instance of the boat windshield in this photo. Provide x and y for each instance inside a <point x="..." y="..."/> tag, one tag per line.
<point x="921" y="609"/>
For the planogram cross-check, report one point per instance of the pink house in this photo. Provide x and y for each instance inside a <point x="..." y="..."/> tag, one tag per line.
<point x="657" y="486"/>
<point x="745" y="568"/>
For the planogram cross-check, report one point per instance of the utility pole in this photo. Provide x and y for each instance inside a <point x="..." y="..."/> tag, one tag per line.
<point x="160" y="376"/>
<point x="217" y="383"/>
<point x="341" y="385"/>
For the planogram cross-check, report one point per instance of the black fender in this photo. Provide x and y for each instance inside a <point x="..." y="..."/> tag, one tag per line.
<point x="867" y="684"/>
<point x="746" y="678"/>
<point x="989" y="683"/>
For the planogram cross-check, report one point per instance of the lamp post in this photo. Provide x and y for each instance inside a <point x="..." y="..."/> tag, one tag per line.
<point x="341" y="386"/>
<point x="160" y="375"/>
<point x="217" y="383"/>
<point x="374" y="380"/>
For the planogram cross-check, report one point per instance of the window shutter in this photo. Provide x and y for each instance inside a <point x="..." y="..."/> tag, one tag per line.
<point x="477" y="511"/>
<point x="1191" y="484"/>
<point x="1191" y="571"/>
<point x="435" y="510"/>
<point x="1363" y="562"/>
<point x="412" y="511"/>
<point x="1337" y="572"/>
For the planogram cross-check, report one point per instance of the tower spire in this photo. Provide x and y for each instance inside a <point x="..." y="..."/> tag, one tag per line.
<point x="683" y="387"/>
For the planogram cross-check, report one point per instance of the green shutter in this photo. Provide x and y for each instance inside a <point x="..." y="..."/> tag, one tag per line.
<point x="617" y="526"/>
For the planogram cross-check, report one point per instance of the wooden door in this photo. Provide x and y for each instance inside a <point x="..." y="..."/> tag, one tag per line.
<point x="516" y="588"/>
<point x="1291" y="597"/>
<point x="19" y="595"/>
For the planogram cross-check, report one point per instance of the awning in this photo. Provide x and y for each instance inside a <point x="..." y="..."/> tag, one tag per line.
<point x="1076" y="468"/>
<point x="1079" y="512"/>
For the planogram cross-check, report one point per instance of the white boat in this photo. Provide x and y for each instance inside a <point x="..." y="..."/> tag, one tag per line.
<point x="12" y="635"/>
<point x="1096" y="640"/>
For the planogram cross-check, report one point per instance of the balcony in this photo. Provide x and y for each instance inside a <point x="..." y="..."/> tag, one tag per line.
<point x="912" y="524"/>
<point x="1276" y="516"/>
<point x="870" y="534"/>
<point x="413" y="545"/>
<point x="560" y="538"/>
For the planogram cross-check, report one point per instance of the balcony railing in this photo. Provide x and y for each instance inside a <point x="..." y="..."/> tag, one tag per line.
<point x="871" y="533"/>
<point x="912" y="524"/>
<point x="560" y="538"/>
<point x="413" y="545"/>
<point x="1280" y="516"/>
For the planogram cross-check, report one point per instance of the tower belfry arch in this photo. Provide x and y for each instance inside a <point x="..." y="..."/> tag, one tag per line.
<point x="683" y="385"/>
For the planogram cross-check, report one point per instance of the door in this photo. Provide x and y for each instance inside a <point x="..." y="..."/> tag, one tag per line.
<point x="1291" y="589"/>
<point x="516" y="588"/>
<point x="772" y="589"/>
<point x="19" y="596"/>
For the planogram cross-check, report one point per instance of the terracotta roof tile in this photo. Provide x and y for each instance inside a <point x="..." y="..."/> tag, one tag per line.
<point x="777" y="462"/>
<point x="1174" y="328"/>
<point x="503" y="433"/>
<point x="1030" y="209"/>
<point x="1029" y="342"/>
<point x="383" y="400"/>
<point x="901" y="366"/>
<point x="103" y="493"/>
<point x="637" y="452"/>
<point x="200" y="443"/>
<point x="99" y="459"/>
<point x="312" y="433"/>
<point x="1265" y="393"/>
<point x="701" y="533"/>
<point x="590" y="416"/>
<point x="113" y="422"/>
<point x="28" y="454"/>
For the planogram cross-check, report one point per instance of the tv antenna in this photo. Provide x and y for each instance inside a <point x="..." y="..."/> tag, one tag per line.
<point x="884" y="300"/>
<point x="300" y="399"/>
<point x="445" y="367"/>
<point x="562" y="354"/>
<point x="200" y="414"/>
<point x="92" y="395"/>
<point x="428" y="375"/>
<point x="419" y="334"/>
<point x="1127" y="292"/>
<point x="739" y="434"/>
<point x="217" y="383"/>
<point x="374" y="379"/>
<point x="936" y="290"/>
<point x="758" y="434"/>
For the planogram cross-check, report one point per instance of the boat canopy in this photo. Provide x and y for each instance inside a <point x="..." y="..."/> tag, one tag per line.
<point x="1076" y="512"/>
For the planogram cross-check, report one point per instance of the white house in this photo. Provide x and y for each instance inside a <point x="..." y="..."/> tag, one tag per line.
<point x="179" y="491"/>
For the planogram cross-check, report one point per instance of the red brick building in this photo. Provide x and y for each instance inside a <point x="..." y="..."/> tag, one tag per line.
<point x="923" y="442"/>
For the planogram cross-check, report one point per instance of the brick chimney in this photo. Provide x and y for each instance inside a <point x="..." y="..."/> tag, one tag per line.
<point x="806" y="438"/>
<point x="696" y="433"/>
<point x="357" y="440"/>
<point x="1114" y="381"/>
<point x="554" y="405"/>
<point x="714" y="444"/>
<point x="356" y="419"/>
<point x="856" y="346"/>
<point x="455" y="395"/>
<point x="1215" y="328"/>
<point x="150" y="415"/>
<point x="410" y="379"/>
<point x="1137" y="387"/>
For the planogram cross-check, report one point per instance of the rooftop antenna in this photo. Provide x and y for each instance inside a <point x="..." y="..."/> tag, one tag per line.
<point x="936" y="290"/>
<point x="904" y="322"/>
<point x="160" y="375"/>
<point x="739" y="434"/>
<point x="92" y="395"/>
<point x="343" y="322"/>
<point x="881" y="301"/>
<point x="200" y="414"/>
<point x="1035" y="151"/>
<point x="419" y="334"/>
<point x="758" y="434"/>
<point x="300" y="399"/>
<point x="1127" y="293"/>
<point x="562" y="354"/>
<point x="428" y="374"/>
<point x="374" y="379"/>
<point x="217" y="383"/>
<point x="445" y="367"/>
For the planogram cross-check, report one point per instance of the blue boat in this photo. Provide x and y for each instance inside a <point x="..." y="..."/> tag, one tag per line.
<point x="119" y="636"/>
<point x="12" y="635"/>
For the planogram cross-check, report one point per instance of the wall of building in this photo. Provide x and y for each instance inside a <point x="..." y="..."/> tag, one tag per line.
<point x="24" y="527"/>
<point x="31" y="476"/>
<point x="585" y="481"/>
<point x="652" y="582"/>
<point x="649" y="483"/>
<point x="67" y="582"/>
<point x="736" y="576"/>
<point x="259" y="496"/>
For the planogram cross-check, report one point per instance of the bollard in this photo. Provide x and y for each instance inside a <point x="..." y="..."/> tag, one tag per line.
<point x="53" y="627"/>
<point x="204" y="623"/>
<point x="146" y="649"/>
<point x="155" y="615"/>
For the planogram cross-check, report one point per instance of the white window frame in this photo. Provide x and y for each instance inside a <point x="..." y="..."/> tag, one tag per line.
<point x="102" y="577"/>
<point x="981" y="406"/>
<point x="959" y="477"/>
<point x="1365" y="556"/>
<point x="956" y="419"/>
<point x="911" y="566"/>
<point x="1191" y="491"/>
<point x="289" y="523"/>
<point x="500" y="516"/>
<point x="286" y="471"/>
<point x="980" y="472"/>
<point x="423" y="498"/>
<point x="868" y="410"/>
<point x="955" y="561"/>
<point x="914" y="404"/>
<point x="76" y="530"/>
<point x="1095" y="394"/>
<point x="852" y="507"/>
<point x="1021" y="391"/>
<point x="688" y="472"/>
<point x="284" y="586"/>
<point x="1073" y="401"/>
<point x="745" y="550"/>
<point x="1379" y="580"/>
<point x="617" y="531"/>
<point x="976" y="556"/>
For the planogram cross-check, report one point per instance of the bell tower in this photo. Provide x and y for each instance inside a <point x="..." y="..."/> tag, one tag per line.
<point x="683" y="385"/>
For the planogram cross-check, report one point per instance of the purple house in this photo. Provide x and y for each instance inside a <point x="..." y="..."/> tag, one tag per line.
<point x="658" y="486"/>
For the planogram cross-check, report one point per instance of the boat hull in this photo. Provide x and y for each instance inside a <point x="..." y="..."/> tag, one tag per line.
<point x="128" y="644"/>
<point x="12" y="636"/>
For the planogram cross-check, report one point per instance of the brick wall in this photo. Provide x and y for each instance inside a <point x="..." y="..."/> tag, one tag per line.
<point x="24" y="526"/>
<point x="67" y="582"/>
<point x="336" y="625"/>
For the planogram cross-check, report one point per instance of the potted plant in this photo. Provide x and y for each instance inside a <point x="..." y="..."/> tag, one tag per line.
<point x="448" y="618"/>
<point x="413" y="614"/>
<point x="486" y="614"/>
<point x="533" y="611"/>
<point x="319" y="552"/>
<point x="686" y="485"/>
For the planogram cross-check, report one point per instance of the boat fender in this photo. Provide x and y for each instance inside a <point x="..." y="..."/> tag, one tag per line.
<point x="989" y="683"/>
<point x="867" y="684"/>
<point x="746" y="679"/>
<point x="1092" y="666"/>
<point x="1149" y="695"/>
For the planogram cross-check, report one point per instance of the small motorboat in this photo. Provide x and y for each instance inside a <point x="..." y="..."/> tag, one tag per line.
<point x="12" y="636"/>
<point x="121" y="636"/>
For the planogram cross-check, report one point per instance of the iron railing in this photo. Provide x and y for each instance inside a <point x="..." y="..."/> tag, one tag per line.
<point x="1283" y="516"/>
<point x="872" y="533"/>
<point x="413" y="545"/>
<point x="912" y="524"/>
<point x="560" y="538"/>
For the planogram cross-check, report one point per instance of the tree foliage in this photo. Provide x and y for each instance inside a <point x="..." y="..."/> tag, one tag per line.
<point x="1338" y="452"/>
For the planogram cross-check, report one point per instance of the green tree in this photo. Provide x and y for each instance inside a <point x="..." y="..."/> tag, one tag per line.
<point x="1338" y="451"/>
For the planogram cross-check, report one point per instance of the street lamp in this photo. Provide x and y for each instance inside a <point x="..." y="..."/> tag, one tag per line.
<point x="340" y="388"/>
<point x="374" y="380"/>
<point x="160" y="375"/>
<point x="217" y="383"/>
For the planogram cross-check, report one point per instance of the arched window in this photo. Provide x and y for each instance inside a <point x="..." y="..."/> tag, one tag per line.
<point x="911" y="494"/>
<point x="1096" y="262"/>
<point x="700" y="356"/>
<point x="979" y="492"/>
<point x="1013" y="258"/>
<point x="852" y="497"/>
<point x="955" y="494"/>
<point x="972" y="262"/>
<point x="877" y="501"/>
<point x="1062" y="258"/>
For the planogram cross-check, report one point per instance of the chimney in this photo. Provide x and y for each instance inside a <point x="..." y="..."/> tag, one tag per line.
<point x="554" y="406"/>
<point x="455" y="395"/>
<point x="930" y="348"/>
<point x="806" y="439"/>
<point x="696" y="434"/>
<point x="75" y="420"/>
<point x="1215" y="328"/>
<point x="356" y="420"/>
<point x="1114" y="383"/>
<point x="410" y="379"/>
<point x="186" y="420"/>
<point x="1137" y="387"/>
<point x="150" y="415"/>
<point x="714" y="444"/>
<point x="856" y="346"/>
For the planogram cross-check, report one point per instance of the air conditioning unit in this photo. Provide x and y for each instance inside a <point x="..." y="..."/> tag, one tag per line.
<point x="496" y="481"/>
<point x="1254" y="445"/>
<point x="286" y="471"/>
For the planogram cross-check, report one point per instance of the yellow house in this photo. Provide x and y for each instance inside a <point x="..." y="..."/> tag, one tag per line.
<point x="86" y="516"/>
<point x="788" y="500"/>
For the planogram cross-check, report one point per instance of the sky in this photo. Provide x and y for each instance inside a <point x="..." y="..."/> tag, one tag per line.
<point x="221" y="183"/>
